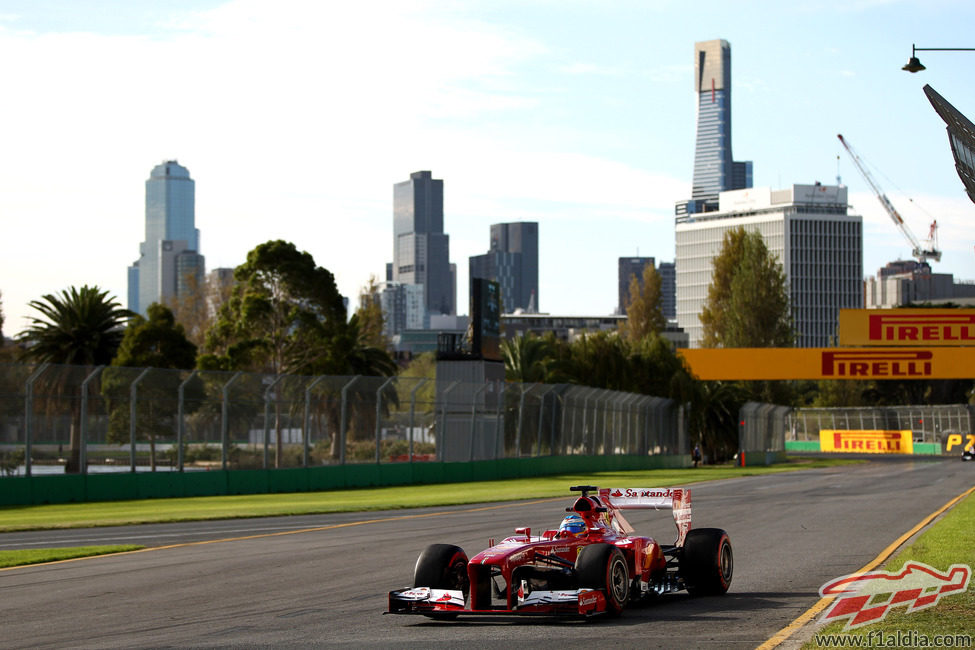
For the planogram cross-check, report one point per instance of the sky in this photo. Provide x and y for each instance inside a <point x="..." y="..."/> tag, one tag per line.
<point x="295" y="119"/>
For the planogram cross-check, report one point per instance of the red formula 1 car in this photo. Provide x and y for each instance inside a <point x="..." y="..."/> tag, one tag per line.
<point x="592" y="565"/>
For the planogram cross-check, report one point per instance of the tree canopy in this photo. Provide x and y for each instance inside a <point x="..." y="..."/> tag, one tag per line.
<point x="156" y="342"/>
<point x="282" y="311"/>
<point x="285" y="315"/>
<point x="748" y="300"/>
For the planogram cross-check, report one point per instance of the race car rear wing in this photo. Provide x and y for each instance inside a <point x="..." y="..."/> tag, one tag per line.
<point x="677" y="499"/>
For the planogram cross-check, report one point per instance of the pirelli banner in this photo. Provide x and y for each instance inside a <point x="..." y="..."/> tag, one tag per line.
<point x="866" y="441"/>
<point x="831" y="363"/>
<point x="907" y="327"/>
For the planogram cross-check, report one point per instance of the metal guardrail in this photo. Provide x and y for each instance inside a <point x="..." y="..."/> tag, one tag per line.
<point x="137" y="419"/>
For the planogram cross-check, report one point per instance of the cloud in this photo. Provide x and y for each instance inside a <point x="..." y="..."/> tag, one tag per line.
<point x="295" y="120"/>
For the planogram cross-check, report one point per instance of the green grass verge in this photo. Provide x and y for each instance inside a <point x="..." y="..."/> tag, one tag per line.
<point x="947" y="542"/>
<point x="40" y="555"/>
<point x="115" y="513"/>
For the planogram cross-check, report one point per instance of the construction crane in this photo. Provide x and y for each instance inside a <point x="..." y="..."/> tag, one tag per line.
<point x="919" y="252"/>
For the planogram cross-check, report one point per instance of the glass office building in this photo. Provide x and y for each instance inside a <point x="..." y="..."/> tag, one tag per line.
<point x="714" y="169"/>
<point x="172" y="241"/>
<point x="512" y="262"/>
<point x="421" y="249"/>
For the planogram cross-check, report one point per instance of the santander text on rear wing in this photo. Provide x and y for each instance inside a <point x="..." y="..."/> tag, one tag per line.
<point x="677" y="499"/>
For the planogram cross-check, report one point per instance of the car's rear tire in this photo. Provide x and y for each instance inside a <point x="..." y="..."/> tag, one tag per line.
<point x="603" y="567"/>
<point x="707" y="562"/>
<point x="442" y="566"/>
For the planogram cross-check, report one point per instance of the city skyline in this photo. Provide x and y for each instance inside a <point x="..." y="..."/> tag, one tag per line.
<point x="581" y="120"/>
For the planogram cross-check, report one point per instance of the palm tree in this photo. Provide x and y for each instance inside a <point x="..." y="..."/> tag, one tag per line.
<point x="77" y="327"/>
<point x="527" y="359"/>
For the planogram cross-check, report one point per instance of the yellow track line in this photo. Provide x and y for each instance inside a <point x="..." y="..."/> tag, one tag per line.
<point x="811" y="613"/>
<point x="285" y="532"/>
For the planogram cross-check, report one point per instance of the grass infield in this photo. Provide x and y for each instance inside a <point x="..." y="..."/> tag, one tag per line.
<point x="117" y="513"/>
<point x="40" y="555"/>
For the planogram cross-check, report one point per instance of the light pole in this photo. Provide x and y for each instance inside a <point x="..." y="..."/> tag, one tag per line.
<point x="914" y="65"/>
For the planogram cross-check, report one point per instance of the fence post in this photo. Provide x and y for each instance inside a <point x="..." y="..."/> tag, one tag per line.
<point x="29" y="415"/>
<point x="225" y="421"/>
<point x="132" y="416"/>
<point x="267" y="416"/>
<point x="344" y="418"/>
<point x="422" y="381"/>
<point x="521" y="412"/>
<point x="306" y="431"/>
<point x="477" y="393"/>
<point x="585" y="424"/>
<point x="541" y="409"/>
<point x="555" y="401"/>
<point x="379" y="403"/>
<point x="499" y="422"/>
<point x="181" y="425"/>
<point x="83" y="424"/>
<point x="442" y="445"/>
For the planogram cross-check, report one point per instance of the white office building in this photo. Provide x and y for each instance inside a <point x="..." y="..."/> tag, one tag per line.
<point x="819" y="245"/>
<point x="403" y="307"/>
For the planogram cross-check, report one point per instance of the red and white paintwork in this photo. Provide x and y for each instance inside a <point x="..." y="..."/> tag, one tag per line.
<point x="651" y="566"/>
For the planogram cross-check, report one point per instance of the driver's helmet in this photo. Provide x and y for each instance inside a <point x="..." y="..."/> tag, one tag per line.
<point x="572" y="526"/>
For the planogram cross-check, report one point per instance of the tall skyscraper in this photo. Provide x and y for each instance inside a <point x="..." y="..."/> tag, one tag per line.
<point x="714" y="169"/>
<point x="807" y="227"/>
<point x="421" y="250"/>
<point x="512" y="262"/>
<point x="668" y="289"/>
<point x="169" y="258"/>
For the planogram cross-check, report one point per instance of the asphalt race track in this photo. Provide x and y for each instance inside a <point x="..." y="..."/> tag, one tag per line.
<point x="322" y="580"/>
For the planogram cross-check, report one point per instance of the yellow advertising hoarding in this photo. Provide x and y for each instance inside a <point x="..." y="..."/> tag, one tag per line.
<point x="830" y="363"/>
<point x="866" y="441"/>
<point x="907" y="327"/>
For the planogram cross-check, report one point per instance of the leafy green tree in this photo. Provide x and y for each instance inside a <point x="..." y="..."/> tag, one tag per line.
<point x="281" y="314"/>
<point x="158" y="342"/>
<point x="77" y="327"/>
<point x="748" y="301"/>
<point x="1" y="319"/>
<point x="599" y="360"/>
<point x="644" y="312"/>
<point x="285" y="315"/>
<point x="713" y="417"/>
<point x="748" y="306"/>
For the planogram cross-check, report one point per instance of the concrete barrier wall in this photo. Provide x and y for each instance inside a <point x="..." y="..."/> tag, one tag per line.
<point x="123" y="486"/>
<point x="920" y="448"/>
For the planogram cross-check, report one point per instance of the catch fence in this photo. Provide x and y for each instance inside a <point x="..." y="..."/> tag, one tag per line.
<point x="928" y="423"/>
<point x="57" y="418"/>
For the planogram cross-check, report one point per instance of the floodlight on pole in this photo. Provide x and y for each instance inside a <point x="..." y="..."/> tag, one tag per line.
<point x="914" y="64"/>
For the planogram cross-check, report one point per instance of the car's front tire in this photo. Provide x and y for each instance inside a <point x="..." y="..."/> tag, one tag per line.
<point x="603" y="566"/>
<point x="442" y="566"/>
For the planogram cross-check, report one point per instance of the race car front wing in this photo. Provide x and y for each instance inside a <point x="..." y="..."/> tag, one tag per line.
<point x="428" y="601"/>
